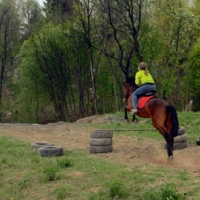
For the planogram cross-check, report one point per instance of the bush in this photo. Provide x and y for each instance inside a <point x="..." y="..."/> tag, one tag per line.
<point x="51" y="173"/>
<point x="64" y="162"/>
<point x="166" y="192"/>
<point x="61" y="192"/>
<point x="118" y="190"/>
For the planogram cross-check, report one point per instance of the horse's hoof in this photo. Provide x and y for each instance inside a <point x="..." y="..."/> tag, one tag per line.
<point x="126" y="120"/>
<point x="170" y="157"/>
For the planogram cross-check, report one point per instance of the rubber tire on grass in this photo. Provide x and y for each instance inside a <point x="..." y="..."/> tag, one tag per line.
<point x="37" y="145"/>
<point x="51" y="151"/>
<point x="101" y="149"/>
<point x="198" y="140"/>
<point x="100" y="141"/>
<point x="181" y="130"/>
<point x="101" y="134"/>
<point x="180" y="138"/>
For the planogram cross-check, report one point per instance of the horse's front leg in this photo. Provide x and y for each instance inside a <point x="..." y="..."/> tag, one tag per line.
<point x="126" y="115"/>
<point x="135" y="120"/>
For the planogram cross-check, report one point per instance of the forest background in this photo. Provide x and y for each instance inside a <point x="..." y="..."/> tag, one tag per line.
<point x="67" y="59"/>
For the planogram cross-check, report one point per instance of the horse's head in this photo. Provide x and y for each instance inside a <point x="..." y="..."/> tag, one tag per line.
<point x="129" y="87"/>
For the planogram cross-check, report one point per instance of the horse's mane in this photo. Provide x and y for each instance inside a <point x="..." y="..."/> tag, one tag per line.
<point x="131" y="81"/>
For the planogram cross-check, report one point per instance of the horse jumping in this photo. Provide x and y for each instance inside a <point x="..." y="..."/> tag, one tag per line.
<point x="164" y="116"/>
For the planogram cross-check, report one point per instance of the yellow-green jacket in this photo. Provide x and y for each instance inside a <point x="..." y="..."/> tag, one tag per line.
<point x="141" y="78"/>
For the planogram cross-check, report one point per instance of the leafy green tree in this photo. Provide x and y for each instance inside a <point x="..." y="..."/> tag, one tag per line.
<point x="55" y="70"/>
<point x="32" y="17"/>
<point x="179" y="32"/>
<point x="83" y="26"/>
<point x="9" y="47"/>
<point x="194" y="75"/>
<point x="48" y="58"/>
<point x="122" y="20"/>
<point x="58" y="11"/>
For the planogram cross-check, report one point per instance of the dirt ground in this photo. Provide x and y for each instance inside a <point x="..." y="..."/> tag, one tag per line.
<point x="127" y="150"/>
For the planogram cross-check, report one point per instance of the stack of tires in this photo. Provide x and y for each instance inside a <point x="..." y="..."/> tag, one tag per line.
<point x="180" y="141"/>
<point x="101" y="141"/>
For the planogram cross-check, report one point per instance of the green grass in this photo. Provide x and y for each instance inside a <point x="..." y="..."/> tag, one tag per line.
<point x="76" y="176"/>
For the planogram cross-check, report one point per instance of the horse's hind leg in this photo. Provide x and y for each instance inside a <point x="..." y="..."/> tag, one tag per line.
<point x="169" y="140"/>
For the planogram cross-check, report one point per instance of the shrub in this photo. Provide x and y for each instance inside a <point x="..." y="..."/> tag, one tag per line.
<point x="118" y="190"/>
<point x="51" y="173"/>
<point x="61" y="192"/>
<point x="64" y="162"/>
<point x="165" y="192"/>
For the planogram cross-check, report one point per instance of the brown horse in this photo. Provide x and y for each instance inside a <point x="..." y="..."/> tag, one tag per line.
<point x="164" y="116"/>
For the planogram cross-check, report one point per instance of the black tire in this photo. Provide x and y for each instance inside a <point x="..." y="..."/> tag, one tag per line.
<point x="198" y="140"/>
<point x="101" y="149"/>
<point x="100" y="141"/>
<point x="37" y="145"/>
<point x="180" y="138"/>
<point x="181" y="130"/>
<point x="51" y="151"/>
<point x="180" y="145"/>
<point x="101" y="134"/>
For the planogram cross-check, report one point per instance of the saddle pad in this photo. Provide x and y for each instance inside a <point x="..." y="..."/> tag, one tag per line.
<point x="143" y="100"/>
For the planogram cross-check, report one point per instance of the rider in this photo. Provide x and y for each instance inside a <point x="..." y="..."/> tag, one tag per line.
<point x="145" y="82"/>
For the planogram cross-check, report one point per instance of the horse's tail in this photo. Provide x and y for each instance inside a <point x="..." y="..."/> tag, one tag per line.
<point x="173" y="119"/>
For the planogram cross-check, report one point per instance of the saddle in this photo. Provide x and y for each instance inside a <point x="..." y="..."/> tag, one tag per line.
<point x="142" y="100"/>
<point x="149" y="93"/>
